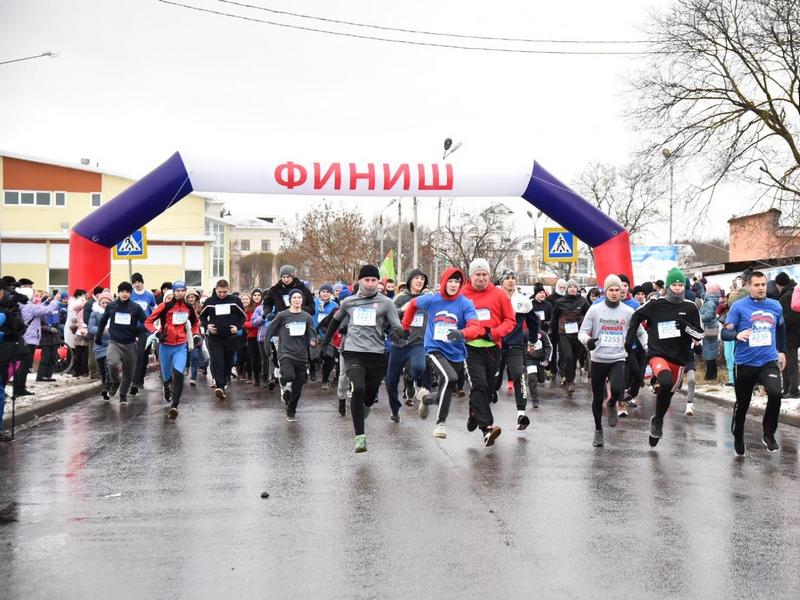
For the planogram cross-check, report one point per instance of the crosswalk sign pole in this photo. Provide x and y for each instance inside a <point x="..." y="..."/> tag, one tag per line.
<point x="130" y="269"/>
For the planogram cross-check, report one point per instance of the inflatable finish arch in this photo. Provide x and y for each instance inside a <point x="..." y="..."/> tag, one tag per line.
<point x="92" y="238"/>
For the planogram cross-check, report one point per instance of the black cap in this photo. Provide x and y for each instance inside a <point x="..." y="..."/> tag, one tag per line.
<point x="369" y="271"/>
<point x="24" y="281"/>
<point x="781" y="279"/>
<point x="538" y="287"/>
<point x="124" y="287"/>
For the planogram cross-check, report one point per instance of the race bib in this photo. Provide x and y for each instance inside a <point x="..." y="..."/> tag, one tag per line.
<point x="180" y="318"/>
<point x="667" y="330"/>
<point x="286" y="299"/>
<point x="222" y="309"/>
<point x="296" y="328"/>
<point x="365" y="316"/>
<point x="570" y="328"/>
<point x="612" y="340"/>
<point x="531" y="369"/>
<point x="143" y="304"/>
<point x="540" y="314"/>
<point x="122" y="318"/>
<point x="760" y="337"/>
<point x="417" y="320"/>
<point x="484" y="314"/>
<point x="440" y="331"/>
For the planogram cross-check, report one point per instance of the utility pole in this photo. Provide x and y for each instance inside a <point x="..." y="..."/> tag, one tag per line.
<point x="399" y="238"/>
<point x="415" y="265"/>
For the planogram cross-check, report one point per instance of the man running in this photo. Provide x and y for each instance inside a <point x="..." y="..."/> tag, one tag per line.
<point x="565" y="322"/>
<point x="222" y="317"/>
<point x="178" y="325"/>
<point x="603" y="332"/>
<point x="673" y="327"/>
<point x="363" y="349"/>
<point x="295" y="331"/>
<point x="325" y="305"/>
<point x="145" y="299"/>
<point x="125" y="320"/>
<point x="496" y="316"/>
<point x="757" y="325"/>
<point x="451" y="319"/>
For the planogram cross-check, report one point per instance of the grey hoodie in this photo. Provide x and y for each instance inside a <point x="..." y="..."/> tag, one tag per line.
<point x="369" y="317"/>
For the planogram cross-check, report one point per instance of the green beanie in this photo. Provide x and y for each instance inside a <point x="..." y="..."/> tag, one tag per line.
<point x="675" y="275"/>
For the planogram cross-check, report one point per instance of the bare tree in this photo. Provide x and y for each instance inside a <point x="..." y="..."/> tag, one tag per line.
<point x="723" y="91"/>
<point x="630" y="195"/>
<point x="255" y="270"/>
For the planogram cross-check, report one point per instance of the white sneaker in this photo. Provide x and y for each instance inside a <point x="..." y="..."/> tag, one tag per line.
<point x="421" y="393"/>
<point x="439" y="431"/>
<point x="622" y="410"/>
<point x="689" y="412"/>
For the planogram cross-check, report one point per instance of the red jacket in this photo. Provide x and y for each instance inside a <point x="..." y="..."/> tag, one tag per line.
<point x="252" y="332"/>
<point x="173" y="327"/>
<point x="501" y="318"/>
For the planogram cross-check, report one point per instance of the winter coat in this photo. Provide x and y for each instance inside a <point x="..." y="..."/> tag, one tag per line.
<point x="32" y="314"/>
<point x="100" y="350"/>
<point x="277" y="297"/>
<point x="791" y="316"/>
<point x="711" y="326"/>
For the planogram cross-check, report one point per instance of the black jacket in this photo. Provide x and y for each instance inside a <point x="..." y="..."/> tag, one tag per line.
<point x="277" y="297"/>
<point x="568" y="309"/>
<point x="684" y="317"/>
<point x="233" y="314"/>
<point x="121" y="333"/>
<point x="790" y="317"/>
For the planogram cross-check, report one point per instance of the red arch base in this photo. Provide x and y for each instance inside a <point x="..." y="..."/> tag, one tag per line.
<point x="613" y="256"/>
<point x="89" y="264"/>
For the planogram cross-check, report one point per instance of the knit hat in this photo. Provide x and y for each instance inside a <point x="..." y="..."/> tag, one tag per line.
<point x="178" y="285"/>
<point x="572" y="282"/>
<point x="254" y="290"/>
<point x="612" y="281"/>
<point x="326" y="287"/>
<point x="538" y="288"/>
<point x="105" y="294"/>
<point x="714" y="288"/>
<point x="648" y="288"/>
<point x="675" y="275"/>
<point x="369" y="271"/>
<point x="506" y="274"/>
<point x="782" y="279"/>
<point x="288" y="270"/>
<point x="193" y="292"/>
<point x="294" y="291"/>
<point x="479" y="264"/>
<point x="637" y="289"/>
<point x="124" y="287"/>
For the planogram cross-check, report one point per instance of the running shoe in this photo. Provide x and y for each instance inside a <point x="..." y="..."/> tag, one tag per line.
<point x="738" y="444"/>
<point x="312" y="375"/>
<point x="770" y="443"/>
<point x="112" y="391"/>
<point x="123" y="400"/>
<point x="613" y="418"/>
<point x="423" y="409"/>
<point x="286" y="393"/>
<point x="598" y="439"/>
<point x="655" y="431"/>
<point x="192" y="382"/>
<point x="167" y="392"/>
<point x="535" y="403"/>
<point x="290" y="417"/>
<point x="173" y="413"/>
<point x="522" y="422"/>
<point x="472" y="422"/>
<point x="571" y="388"/>
<point x="342" y="407"/>
<point x="105" y="394"/>
<point x="420" y="395"/>
<point x="689" y="412"/>
<point x="361" y="443"/>
<point x="219" y="393"/>
<point x="631" y="402"/>
<point x="395" y="418"/>
<point x="491" y="434"/>
<point x="439" y="431"/>
<point x="622" y="410"/>
<point x="134" y="390"/>
<point x="325" y="387"/>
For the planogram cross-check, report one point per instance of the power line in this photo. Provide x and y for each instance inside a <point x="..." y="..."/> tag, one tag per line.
<point x="394" y="41"/>
<point x="423" y="32"/>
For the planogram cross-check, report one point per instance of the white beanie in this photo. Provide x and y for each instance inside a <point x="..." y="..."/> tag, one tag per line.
<point x="611" y="281"/>
<point x="479" y="264"/>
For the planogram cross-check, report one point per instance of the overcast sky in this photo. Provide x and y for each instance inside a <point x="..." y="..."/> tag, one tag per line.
<point x="136" y="80"/>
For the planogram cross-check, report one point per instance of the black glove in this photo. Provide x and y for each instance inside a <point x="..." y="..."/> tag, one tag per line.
<point x="455" y="336"/>
<point x="629" y="347"/>
<point x="399" y="337"/>
<point x="160" y="337"/>
<point x="592" y="344"/>
<point x="698" y="349"/>
<point x="487" y="335"/>
<point x="197" y="341"/>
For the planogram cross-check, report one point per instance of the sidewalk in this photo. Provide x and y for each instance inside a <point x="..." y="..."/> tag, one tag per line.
<point x="49" y="397"/>
<point x="724" y="396"/>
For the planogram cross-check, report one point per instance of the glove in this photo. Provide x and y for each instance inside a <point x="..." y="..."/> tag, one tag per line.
<point x="399" y="337"/>
<point x="629" y="347"/>
<point x="197" y="341"/>
<point x="698" y="349"/>
<point x="455" y="336"/>
<point x="487" y="335"/>
<point x="592" y="344"/>
<point x="160" y="337"/>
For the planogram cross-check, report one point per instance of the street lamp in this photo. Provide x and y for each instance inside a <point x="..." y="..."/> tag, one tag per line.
<point x="668" y="156"/>
<point x="380" y="221"/>
<point x="49" y="53"/>
<point x="536" y="242"/>
<point x="449" y="148"/>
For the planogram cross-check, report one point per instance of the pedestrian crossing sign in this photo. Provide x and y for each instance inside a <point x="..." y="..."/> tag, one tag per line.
<point x="133" y="247"/>
<point x="560" y="245"/>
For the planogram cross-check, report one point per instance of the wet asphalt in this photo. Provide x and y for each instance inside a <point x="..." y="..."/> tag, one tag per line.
<point x="119" y="502"/>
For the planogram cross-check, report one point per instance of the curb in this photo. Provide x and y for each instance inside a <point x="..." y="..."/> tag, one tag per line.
<point x="754" y="411"/>
<point x="31" y="413"/>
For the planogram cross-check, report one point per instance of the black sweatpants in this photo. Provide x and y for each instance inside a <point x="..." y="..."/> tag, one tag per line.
<point x="513" y="359"/>
<point x="449" y="374"/>
<point x="746" y="378"/>
<point x="634" y="370"/>
<point x="569" y="349"/>
<point x="221" y="351"/>
<point x="614" y="373"/>
<point x="295" y="372"/>
<point x="255" y="358"/>
<point x="21" y="376"/>
<point x="790" y="373"/>
<point x="482" y="363"/>
<point x="365" y="370"/>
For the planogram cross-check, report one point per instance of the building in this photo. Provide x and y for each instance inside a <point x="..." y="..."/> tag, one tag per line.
<point x="42" y="200"/>
<point x="761" y="235"/>
<point x="255" y="242"/>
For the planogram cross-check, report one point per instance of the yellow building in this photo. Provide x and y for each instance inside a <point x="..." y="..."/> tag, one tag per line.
<point x="42" y="200"/>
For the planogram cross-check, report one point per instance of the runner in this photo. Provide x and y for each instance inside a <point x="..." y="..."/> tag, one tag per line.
<point x="222" y="317"/>
<point x="673" y="326"/>
<point x="253" y="344"/>
<point x="565" y="322"/>
<point x="102" y="300"/>
<point x="451" y="319"/>
<point x="411" y="350"/>
<point x="757" y="325"/>
<point x="125" y="320"/>
<point x="537" y="358"/>
<point x="513" y="349"/>
<point x="145" y="299"/>
<point x="178" y="328"/>
<point x="325" y="305"/>
<point x="363" y="348"/>
<point x="559" y="290"/>
<point x="496" y="316"/>
<point x="603" y="332"/>
<point x="296" y="334"/>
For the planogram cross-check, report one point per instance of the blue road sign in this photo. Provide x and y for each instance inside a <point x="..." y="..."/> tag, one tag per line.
<point x="133" y="246"/>
<point x="560" y="245"/>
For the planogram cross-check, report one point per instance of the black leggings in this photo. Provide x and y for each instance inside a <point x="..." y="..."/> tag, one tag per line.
<point x="255" y="358"/>
<point x="614" y="373"/>
<point x="514" y="359"/>
<point x="295" y="372"/>
<point x="365" y="371"/>
<point x="569" y="348"/>
<point x="746" y="379"/>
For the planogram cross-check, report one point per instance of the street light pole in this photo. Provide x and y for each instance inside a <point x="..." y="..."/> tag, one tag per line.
<point x="399" y="237"/>
<point x="449" y="148"/>
<point x="380" y="222"/>
<point x="415" y="264"/>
